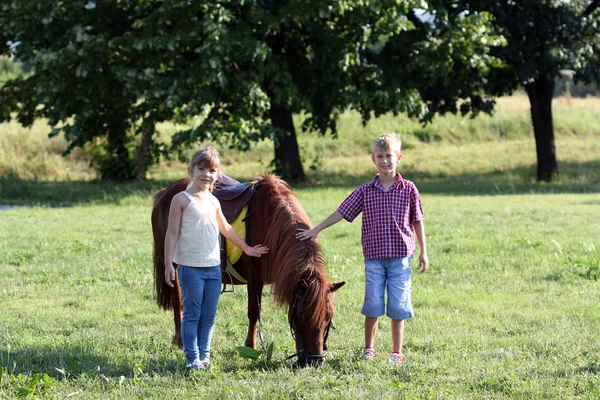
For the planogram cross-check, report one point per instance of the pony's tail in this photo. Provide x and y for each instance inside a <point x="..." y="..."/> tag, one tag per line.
<point x="160" y="222"/>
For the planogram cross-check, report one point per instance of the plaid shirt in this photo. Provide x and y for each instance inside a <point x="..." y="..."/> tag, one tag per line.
<point x="387" y="230"/>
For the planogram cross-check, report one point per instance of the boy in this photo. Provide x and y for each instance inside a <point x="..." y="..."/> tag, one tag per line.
<point x="391" y="208"/>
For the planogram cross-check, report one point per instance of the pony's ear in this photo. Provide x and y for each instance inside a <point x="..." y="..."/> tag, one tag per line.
<point x="336" y="286"/>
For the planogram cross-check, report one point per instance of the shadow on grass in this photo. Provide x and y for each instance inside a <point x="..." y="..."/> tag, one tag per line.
<point x="70" y="193"/>
<point x="76" y="361"/>
<point x="73" y="361"/>
<point x="574" y="178"/>
<point x="14" y="191"/>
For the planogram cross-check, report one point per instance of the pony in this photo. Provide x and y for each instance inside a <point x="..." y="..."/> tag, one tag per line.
<point x="294" y="269"/>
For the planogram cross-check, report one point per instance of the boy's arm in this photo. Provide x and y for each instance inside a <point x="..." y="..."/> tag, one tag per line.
<point x="312" y="234"/>
<point x="171" y="238"/>
<point x="227" y="230"/>
<point x="420" y="233"/>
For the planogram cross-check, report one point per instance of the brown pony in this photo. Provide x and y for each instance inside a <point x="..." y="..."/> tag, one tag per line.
<point x="294" y="268"/>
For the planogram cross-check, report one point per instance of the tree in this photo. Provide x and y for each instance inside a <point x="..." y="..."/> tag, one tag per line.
<point x="444" y="61"/>
<point x="106" y="72"/>
<point x="470" y="52"/>
<point x="247" y="67"/>
<point x="543" y="37"/>
<point x="78" y="78"/>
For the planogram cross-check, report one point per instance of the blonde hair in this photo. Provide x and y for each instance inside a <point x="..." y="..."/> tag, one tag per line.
<point x="387" y="141"/>
<point x="207" y="157"/>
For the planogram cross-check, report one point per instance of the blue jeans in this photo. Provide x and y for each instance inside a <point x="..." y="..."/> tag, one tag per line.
<point x="395" y="274"/>
<point x="200" y="291"/>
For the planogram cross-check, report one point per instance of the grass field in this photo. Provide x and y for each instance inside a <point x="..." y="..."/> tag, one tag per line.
<point x="509" y="308"/>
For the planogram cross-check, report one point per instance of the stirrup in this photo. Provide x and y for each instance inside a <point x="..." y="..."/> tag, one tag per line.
<point x="224" y="289"/>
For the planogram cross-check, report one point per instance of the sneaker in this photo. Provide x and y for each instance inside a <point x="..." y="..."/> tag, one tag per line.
<point x="206" y="363"/>
<point x="368" y="353"/>
<point x="396" y="358"/>
<point x="195" y="365"/>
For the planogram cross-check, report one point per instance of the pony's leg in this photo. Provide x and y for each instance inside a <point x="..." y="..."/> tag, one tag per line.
<point x="177" y="312"/>
<point x="254" y="300"/>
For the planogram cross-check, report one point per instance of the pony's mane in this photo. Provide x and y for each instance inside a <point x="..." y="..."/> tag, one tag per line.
<point x="290" y="262"/>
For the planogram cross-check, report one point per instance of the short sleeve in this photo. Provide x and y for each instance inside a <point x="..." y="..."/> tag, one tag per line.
<point x="353" y="205"/>
<point x="416" y="208"/>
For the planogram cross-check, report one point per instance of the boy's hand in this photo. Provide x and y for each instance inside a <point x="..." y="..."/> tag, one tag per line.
<point x="169" y="275"/>
<point x="304" y="234"/>
<point x="256" y="251"/>
<point x="423" y="262"/>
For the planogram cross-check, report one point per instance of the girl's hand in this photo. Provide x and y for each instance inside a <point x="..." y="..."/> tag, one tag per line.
<point x="170" y="275"/>
<point x="304" y="234"/>
<point x="256" y="251"/>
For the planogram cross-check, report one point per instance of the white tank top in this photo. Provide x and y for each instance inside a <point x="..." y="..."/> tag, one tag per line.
<point x="198" y="243"/>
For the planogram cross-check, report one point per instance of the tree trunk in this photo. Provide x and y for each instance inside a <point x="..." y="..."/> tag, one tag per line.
<point x="117" y="166"/>
<point x="287" y="154"/>
<point x="143" y="150"/>
<point x="540" y="98"/>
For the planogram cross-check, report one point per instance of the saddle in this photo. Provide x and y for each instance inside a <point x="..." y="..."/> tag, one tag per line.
<point x="232" y="195"/>
<point x="234" y="198"/>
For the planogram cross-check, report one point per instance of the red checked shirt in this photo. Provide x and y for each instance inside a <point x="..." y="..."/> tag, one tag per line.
<point x="387" y="230"/>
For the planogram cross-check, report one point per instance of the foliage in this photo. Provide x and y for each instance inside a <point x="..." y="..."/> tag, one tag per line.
<point x="470" y="52"/>
<point x="106" y="73"/>
<point x="9" y="69"/>
<point x="444" y="59"/>
<point x="105" y="68"/>
<point x="227" y="66"/>
<point x="542" y="38"/>
<point x="253" y="354"/>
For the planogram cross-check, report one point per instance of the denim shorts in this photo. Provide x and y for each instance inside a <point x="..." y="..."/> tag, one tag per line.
<point x="395" y="274"/>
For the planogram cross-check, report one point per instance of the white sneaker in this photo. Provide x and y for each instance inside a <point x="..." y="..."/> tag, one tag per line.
<point x="396" y="359"/>
<point x="197" y="364"/>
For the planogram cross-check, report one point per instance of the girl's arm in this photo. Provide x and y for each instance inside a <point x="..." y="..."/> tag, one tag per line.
<point x="312" y="234"/>
<point x="172" y="235"/>
<point x="231" y="235"/>
<point x="420" y="233"/>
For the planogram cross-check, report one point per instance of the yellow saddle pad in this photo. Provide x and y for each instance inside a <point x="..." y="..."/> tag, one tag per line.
<point x="233" y="252"/>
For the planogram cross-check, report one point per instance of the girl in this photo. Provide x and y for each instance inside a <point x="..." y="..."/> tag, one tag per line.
<point x="192" y="242"/>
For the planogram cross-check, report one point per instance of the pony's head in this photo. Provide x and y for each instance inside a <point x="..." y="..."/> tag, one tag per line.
<point x="311" y="333"/>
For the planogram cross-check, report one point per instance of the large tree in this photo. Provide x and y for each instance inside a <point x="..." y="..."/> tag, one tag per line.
<point x="247" y="67"/>
<point x="542" y="38"/>
<point x="107" y="72"/>
<point x="78" y="77"/>
<point x="466" y="53"/>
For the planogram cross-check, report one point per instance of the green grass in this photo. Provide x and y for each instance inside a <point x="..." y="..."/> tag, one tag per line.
<point x="509" y="308"/>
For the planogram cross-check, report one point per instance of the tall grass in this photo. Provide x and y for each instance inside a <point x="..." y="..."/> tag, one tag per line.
<point x="500" y="147"/>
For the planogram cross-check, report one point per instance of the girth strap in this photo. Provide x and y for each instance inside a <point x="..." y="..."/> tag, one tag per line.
<point x="228" y="270"/>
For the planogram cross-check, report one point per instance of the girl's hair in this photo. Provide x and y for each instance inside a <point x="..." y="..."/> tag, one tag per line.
<point x="388" y="141"/>
<point x="207" y="157"/>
